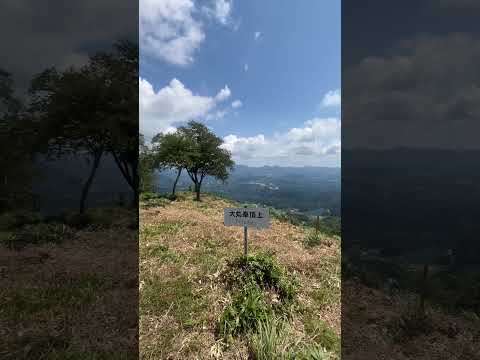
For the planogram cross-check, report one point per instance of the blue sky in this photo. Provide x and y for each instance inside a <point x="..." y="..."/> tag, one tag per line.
<point x="263" y="75"/>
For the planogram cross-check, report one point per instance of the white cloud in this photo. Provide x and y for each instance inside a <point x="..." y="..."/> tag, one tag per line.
<point x="332" y="98"/>
<point x="223" y="94"/>
<point x="245" y="67"/>
<point x="257" y="35"/>
<point x="236" y="104"/>
<point x="316" y="143"/>
<point x="217" y="115"/>
<point x="222" y="11"/>
<point x="172" y="105"/>
<point x="168" y="30"/>
<point x="172" y="30"/>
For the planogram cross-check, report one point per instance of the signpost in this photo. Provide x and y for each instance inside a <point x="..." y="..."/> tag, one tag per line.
<point x="255" y="217"/>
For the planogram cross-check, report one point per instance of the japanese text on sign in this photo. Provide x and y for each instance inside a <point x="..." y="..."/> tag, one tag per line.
<point x="255" y="217"/>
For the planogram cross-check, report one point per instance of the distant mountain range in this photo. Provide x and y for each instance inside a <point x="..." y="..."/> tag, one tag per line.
<point x="310" y="190"/>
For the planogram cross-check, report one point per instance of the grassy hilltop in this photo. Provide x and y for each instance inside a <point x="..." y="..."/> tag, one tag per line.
<point x="201" y="299"/>
<point x="68" y="285"/>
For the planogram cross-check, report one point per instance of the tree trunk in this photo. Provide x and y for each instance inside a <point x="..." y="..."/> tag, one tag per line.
<point x="88" y="183"/>
<point x="131" y="178"/>
<point x="176" y="181"/>
<point x="197" y="191"/>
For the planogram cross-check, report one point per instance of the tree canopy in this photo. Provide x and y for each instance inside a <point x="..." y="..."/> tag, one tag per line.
<point x="204" y="155"/>
<point x="92" y="110"/>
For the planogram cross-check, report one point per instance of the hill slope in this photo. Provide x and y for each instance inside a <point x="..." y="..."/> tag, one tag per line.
<point x="184" y="252"/>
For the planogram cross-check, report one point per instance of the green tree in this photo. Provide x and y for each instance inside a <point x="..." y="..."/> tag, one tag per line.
<point x="18" y="140"/>
<point x="170" y="151"/>
<point x="118" y="71"/>
<point x="93" y="111"/>
<point x="145" y="165"/>
<point x="204" y="155"/>
<point x="69" y="106"/>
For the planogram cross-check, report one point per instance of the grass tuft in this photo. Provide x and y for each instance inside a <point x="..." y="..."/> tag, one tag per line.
<point x="261" y="287"/>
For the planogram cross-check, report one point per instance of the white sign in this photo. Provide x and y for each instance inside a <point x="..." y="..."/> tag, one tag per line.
<point x="254" y="217"/>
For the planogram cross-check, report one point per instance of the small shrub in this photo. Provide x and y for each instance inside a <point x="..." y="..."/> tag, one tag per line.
<point x="247" y="308"/>
<point x="261" y="287"/>
<point x="263" y="270"/>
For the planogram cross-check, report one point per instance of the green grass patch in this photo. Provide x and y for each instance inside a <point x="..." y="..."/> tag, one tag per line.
<point x="67" y="292"/>
<point x="162" y="252"/>
<point x="260" y="288"/>
<point x="262" y="270"/>
<point x="328" y="288"/>
<point x="247" y="308"/>
<point x="317" y="238"/>
<point x="15" y="219"/>
<point x="270" y="341"/>
<point x="170" y="228"/>
<point x="151" y="200"/>
<point x="274" y="339"/>
<point x="322" y="335"/>
<point x="173" y="295"/>
<point x="36" y="234"/>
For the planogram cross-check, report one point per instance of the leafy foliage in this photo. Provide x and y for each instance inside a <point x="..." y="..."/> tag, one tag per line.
<point x="92" y="110"/>
<point x="262" y="270"/>
<point x="204" y="155"/>
<point x="261" y="287"/>
<point x="247" y="307"/>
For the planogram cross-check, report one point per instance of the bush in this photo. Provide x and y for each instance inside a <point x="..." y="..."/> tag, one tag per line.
<point x="316" y="238"/>
<point x="247" y="308"/>
<point x="261" y="288"/>
<point x="262" y="270"/>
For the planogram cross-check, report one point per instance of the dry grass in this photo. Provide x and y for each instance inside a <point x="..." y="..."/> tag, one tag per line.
<point x="178" y="320"/>
<point x="73" y="300"/>
<point x="371" y="328"/>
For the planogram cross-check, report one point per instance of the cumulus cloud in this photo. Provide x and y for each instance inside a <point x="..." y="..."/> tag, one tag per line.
<point x="169" y="31"/>
<point x="332" y="98"/>
<point x="223" y="94"/>
<point x="173" y="105"/>
<point x="257" y="35"/>
<point x="222" y="9"/>
<point x="406" y="99"/>
<point x="316" y="143"/>
<point x="86" y="27"/>
<point x="216" y="115"/>
<point x="173" y="30"/>
<point x="236" y="104"/>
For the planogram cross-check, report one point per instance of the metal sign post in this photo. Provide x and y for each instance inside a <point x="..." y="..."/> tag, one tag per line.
<point x="245" y="240"/>
<point x="254" y="217"/>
